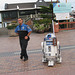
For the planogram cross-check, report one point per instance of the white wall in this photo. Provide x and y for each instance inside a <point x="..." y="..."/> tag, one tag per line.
<point x="0" y="18"/>
<point x="0" y="25"/>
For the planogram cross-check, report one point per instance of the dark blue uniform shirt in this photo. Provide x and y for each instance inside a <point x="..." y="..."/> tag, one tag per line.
<point x="23" y="27"/>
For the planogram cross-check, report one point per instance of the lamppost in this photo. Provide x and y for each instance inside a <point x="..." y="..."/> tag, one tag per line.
<point x="52" y="10"/>
<point x="52" y="26"/>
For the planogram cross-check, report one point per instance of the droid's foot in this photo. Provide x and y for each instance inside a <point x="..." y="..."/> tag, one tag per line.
<point x="50" y="63"/>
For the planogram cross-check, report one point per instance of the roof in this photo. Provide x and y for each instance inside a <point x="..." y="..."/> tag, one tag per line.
<point x="21" y="5"/>
<point x="15" y="9"/>
<point x="28" y="5"/>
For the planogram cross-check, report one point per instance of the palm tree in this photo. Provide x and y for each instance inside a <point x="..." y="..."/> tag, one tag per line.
<point x="47" y="12"/>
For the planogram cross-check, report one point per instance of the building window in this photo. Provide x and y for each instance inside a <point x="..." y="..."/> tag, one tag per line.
<point x="9" y="15"/>
<point x="26" y="12"/>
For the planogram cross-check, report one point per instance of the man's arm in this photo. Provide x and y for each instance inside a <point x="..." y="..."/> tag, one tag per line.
<point x="29" y="33"/>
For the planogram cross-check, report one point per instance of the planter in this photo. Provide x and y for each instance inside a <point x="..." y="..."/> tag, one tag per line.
<point x="11" y="32"/>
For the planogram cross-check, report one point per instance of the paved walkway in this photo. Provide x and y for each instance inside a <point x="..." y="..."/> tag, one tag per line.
<point x="10" y="64"/>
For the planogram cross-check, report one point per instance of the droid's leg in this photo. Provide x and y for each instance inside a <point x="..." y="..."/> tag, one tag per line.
<point x="51" y="63"/>
<point x="59" y="51"/>
<point x="59" y="60"/>
<point x="44" y="59"/>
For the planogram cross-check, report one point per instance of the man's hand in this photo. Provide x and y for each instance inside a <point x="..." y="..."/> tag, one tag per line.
<point x="26" y="37"/>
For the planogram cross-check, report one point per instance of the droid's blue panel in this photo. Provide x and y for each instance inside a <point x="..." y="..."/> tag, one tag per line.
<point x="49" y="43"/>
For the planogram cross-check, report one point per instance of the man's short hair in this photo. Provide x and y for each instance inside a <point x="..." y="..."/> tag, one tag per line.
<point x="20" y="18"/>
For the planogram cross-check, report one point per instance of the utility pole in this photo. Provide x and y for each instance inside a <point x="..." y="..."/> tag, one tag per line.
<point x="67" y="20"/>
<point x="52" y="10"/>
<point x="52" y="27"/>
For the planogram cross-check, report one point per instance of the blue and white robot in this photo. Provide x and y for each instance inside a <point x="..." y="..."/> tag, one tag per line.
<point x="51" y="50"/>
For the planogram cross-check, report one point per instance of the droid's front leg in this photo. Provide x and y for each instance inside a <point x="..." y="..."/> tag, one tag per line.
<point x="50" y="63"/>
<point x="59" y="59"/>
<point x="58" y="47"/>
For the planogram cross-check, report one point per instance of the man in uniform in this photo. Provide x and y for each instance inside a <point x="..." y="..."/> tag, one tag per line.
<point x="23" y="31"/>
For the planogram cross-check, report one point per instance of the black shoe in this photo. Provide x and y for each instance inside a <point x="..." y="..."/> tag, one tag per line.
<point x="25" y="59"/>
<point x="21" y="57"/>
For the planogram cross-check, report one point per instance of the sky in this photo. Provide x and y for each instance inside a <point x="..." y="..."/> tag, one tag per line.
<point x="2" y="2"/>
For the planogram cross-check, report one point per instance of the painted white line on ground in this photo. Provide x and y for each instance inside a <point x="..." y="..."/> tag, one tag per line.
<point x="67" y="47"/>
<point x="16" y="53"/>
<point x="40" y="50"/>
<point x="35" y="51"/>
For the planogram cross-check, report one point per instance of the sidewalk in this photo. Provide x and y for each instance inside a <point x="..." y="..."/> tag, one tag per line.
<point x="12" y="43"/>
<point x="10" y="64"/>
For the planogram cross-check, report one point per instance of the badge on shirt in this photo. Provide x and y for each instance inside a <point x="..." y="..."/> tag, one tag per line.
<point x="22" y="27"/>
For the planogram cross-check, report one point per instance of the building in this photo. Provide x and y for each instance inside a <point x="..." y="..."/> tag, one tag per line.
<point x="24" y="10"/>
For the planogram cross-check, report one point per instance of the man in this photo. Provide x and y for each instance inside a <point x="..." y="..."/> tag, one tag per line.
<point x="23" y="31"/>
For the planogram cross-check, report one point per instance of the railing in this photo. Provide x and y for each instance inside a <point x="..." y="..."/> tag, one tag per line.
<point x="67" y="25"/>
<point x="26" y="18"/>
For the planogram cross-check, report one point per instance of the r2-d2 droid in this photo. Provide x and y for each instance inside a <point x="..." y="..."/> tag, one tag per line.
<point x="51" y="50"/>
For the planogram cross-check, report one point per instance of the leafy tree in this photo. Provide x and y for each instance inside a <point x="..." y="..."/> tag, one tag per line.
<point x="47" y="12"/>
<point x="45" y="23"/>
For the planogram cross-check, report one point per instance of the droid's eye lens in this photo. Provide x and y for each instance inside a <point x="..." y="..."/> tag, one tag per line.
<point x="49" y="36"/>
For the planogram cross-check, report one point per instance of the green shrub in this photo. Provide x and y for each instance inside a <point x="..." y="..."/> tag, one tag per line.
<point x="46" y="16"/>
<point x="40" y="28"/>
<point x="12" y="27"/>
<point x="42" y="21"/>
<point x="42" y="25"/>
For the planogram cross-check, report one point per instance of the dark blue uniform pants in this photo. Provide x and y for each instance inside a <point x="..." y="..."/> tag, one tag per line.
<point x="23" y="45"/>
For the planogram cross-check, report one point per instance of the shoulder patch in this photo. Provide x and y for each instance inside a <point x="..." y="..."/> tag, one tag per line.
<point x="28" y="27"/>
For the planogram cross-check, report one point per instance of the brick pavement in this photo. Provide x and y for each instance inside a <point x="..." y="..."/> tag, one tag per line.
<point x="9" y="44"/>
<point x="12" y="65"/>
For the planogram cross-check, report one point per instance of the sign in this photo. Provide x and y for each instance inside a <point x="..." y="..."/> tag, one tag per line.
<point x="61" y="7"/>
<point x="62" y="16"/>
